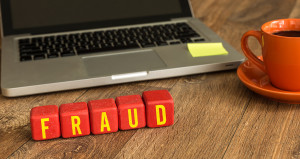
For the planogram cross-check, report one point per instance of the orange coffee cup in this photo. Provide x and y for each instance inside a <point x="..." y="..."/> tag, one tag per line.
<point x="281" y="54"/>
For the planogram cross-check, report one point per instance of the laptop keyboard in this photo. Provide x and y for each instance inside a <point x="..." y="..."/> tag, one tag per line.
<point x="110" y="40"/>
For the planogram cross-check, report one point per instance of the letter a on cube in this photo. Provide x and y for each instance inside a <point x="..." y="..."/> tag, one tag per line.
<point x="159" y="108"/>
<point x="103" y="116"/>
<point x="131" y="112"/>
<point x="74" y="119"/>
<point x="45" y="122"/>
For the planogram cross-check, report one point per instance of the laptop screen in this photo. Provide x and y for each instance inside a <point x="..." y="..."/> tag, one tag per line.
<point x="43" y="16"/>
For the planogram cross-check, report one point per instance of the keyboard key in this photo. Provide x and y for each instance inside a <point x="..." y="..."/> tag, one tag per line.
<point x="25" y="54"/>
<point x="199" y="40"/>
<point x="49" y="39"/>
<point x="29" y="46"/>
<point x="35" y="52"/>
<point x="94" y="50"/>
<point x="36" y="40"/>
<point x="119" y="45"/>
<point x="186" y="40"/>
<point x="39" y="57"/>
<point x="82" y="50"/>
<point x="25" y="58"/>
<point x="61" y="37"/>
<point x="54" y="55"/>
<point x="161" y="43"/>
<point x="65" y="49"/>
<point x="174" y="42"/>
<point x="188" y="35"/>
<point x="24" y="41"/>
<point x="51" y="50"/>
<point x="131" y="44"/>
<point x="30" y="49"/>
<point x="70" y="53"/>
<point x="147" y="44"/>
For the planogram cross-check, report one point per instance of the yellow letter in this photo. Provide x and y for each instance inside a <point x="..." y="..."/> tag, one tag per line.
<point x="163" y="111"/>
<point x="44" y="127"/>
<point x="75" y="125"/>
<point x="135" y="118"/>
<point x="104" y="122"/>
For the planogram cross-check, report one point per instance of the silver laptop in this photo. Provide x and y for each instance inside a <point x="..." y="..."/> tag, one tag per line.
<point x="55" y="45"/>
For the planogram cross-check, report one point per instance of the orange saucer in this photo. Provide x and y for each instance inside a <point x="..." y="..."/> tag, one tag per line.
<point x="258" y="81"/>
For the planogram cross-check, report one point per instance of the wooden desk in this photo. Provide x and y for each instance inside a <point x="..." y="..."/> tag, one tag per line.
<point x="216" y="116"/>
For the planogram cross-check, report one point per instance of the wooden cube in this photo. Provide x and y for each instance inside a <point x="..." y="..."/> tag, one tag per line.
<point x="159" y="108"/>
<point x="131" y="112"/>
<point x="74" y="119"/>
<point x="103" y="116"/>
<point x="44" y="122"/>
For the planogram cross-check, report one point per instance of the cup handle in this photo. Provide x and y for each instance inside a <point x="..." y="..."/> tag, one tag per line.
<point x="248" y="53"/>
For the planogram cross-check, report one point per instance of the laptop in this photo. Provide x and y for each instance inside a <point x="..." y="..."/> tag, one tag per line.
<point x="55" y="45"/>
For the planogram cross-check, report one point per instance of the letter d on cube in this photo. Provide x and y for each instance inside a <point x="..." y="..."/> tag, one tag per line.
<point x="159" y="108"/>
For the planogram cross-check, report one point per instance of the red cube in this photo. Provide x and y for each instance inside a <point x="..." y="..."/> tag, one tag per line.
<point x="44" y="122"/>
<point x="74" y="119"/>
<point x="103" y="116"/>
<point x="131" y="112"/>
<point x="159" y="108"/>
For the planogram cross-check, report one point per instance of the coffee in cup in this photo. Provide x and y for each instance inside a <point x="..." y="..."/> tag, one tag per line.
<point x="288" y="33"/>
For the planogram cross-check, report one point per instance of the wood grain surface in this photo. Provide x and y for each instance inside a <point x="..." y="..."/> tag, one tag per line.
<point x="216" y="116"/>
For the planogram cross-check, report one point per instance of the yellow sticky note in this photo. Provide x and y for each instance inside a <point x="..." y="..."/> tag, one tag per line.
<point x="206" y="49"/>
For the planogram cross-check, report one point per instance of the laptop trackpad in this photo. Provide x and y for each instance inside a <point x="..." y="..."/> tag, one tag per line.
<point x="120" y="63"/>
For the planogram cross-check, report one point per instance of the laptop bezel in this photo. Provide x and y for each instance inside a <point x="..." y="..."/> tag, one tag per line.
<point x="7" y="23"/>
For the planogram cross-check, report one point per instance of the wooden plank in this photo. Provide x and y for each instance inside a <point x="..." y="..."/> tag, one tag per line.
<point x="267" y="129"/>
<point x="204" y="120"/>
<point x="160" y="83"/>
<point x="11" y="140"/>
<point x="288" y="145"/>
<point x="80" y="147"/>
